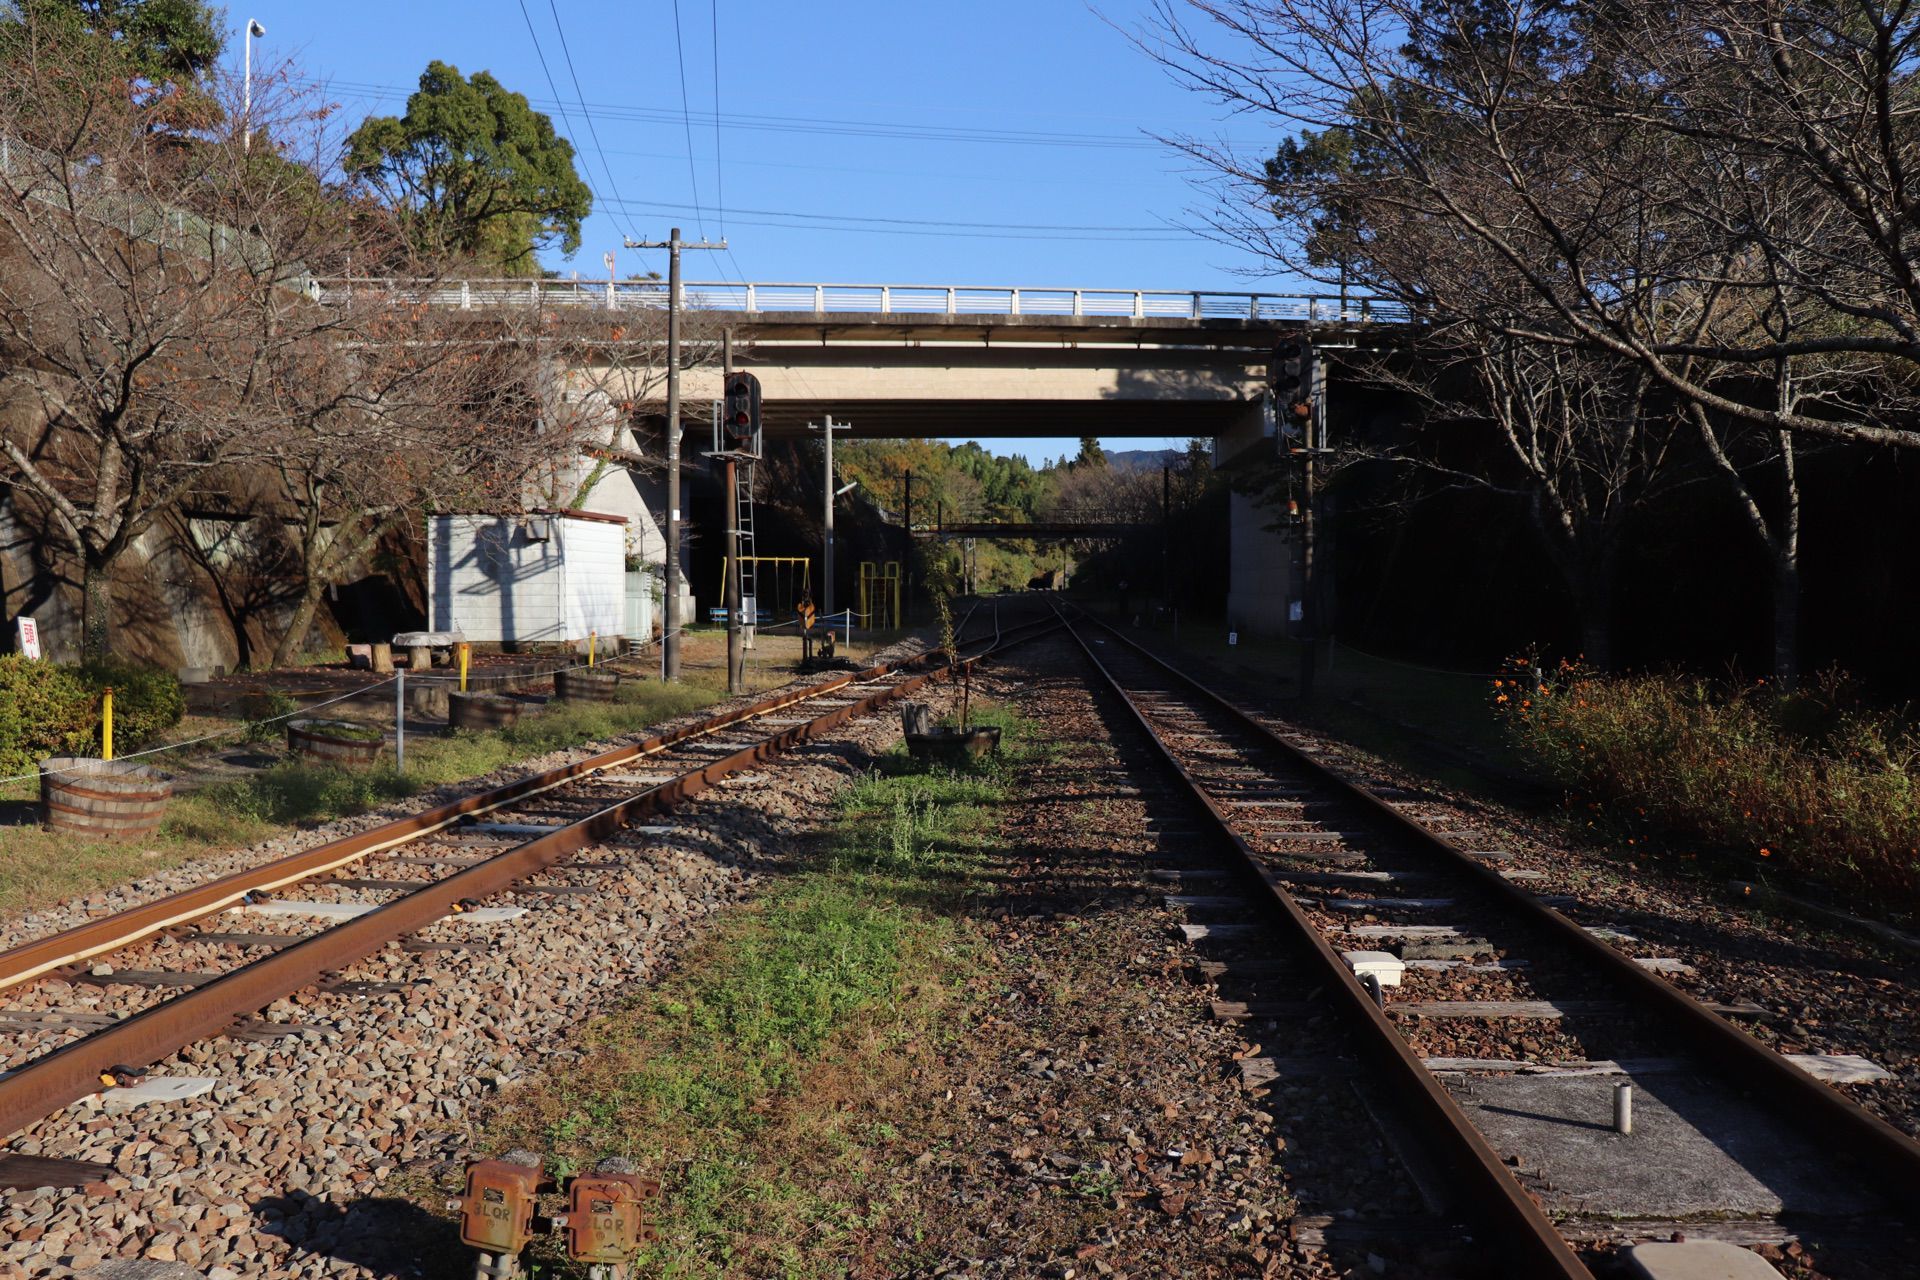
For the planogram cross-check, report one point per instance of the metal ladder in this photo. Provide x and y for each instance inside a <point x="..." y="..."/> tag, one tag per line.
<point x="749" y="573"/>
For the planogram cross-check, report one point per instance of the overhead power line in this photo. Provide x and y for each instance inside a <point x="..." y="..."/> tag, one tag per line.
<point x="832" y="126"/>
<point x="686" y="120"/>
<point x="935" y="222"/>
<point x="581" y="97"/>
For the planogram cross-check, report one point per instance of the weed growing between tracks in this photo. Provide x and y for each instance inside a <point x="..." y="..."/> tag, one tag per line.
<point x="41" y="867"/>
<point x="762" y="1081"/>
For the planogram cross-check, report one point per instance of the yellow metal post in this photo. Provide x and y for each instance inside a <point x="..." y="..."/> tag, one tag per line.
<point x="106" y="724"/>
<point x="466" y="656"/>
<point x="592" y="636"/>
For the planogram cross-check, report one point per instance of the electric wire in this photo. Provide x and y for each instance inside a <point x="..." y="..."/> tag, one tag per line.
<point x="593" y="130"/>
<point x="540" y="53"/>
<point x="719" y="172"/>
<point x="911" y="132"/>
<point x="686" y="121"/>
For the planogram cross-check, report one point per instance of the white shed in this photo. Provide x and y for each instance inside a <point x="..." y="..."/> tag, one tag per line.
<point x="547" y="577"/>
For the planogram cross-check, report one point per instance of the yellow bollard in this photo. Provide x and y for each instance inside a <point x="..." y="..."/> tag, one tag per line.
<point x="592" y="636"/>
<point x="106" y="724"/>
<point x="466" y="656"/>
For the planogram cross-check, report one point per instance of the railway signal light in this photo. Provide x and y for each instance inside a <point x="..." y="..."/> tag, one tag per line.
<point x="1287" y="369"/>
<point x="741" y="412"/>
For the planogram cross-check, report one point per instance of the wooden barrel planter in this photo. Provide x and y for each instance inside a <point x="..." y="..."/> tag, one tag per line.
<point x="111" y="799"/>
<point x="334" y="742"/>
<point x="481" y="710"/>
<point x="586" y="686"/>
<point x="953" y="745"/>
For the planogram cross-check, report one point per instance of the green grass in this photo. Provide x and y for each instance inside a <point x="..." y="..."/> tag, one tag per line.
<point x="756" y="1080"/>
<point x="39" y="867"/>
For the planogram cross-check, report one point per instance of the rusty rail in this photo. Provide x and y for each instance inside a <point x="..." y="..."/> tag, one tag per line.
<point x="73" y="1071"/>
<point x="1828" y="1115"/>
<point x="1487" y="1193"/>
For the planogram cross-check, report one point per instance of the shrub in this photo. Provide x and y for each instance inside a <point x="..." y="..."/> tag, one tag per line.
<point x="266" y="712"/>
<point x="44" y="711"/>
<point x="1816" y="780"/>
<point x="146" y="702"/>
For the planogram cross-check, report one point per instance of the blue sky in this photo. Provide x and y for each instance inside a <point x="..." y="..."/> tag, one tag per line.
<point x="1023" y="116"/>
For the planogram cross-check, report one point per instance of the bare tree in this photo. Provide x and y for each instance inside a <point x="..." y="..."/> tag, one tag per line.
<point x="151" y="280"/>
<point x="1603" y="157"/>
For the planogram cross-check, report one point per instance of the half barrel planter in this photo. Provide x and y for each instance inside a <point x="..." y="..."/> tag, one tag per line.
<point x="482" y="710"/>
<point x="323" y="740"/>
<point x="586" y="686"/>
<point x="103" y="799"/>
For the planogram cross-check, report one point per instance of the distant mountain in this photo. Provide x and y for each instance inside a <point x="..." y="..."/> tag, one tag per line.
<point x="1142" y="459"/>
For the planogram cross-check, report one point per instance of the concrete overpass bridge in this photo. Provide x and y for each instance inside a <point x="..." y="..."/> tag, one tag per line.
<point x="967" y="361"/>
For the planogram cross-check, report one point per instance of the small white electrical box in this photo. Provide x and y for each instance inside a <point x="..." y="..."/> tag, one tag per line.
<point x="1383" y="965"/>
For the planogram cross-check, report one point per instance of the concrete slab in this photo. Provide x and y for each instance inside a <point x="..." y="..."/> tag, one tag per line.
<point x="1694" y="1149"/>
<point x="158" y="1089"/>
<point x="1697" y="1260"/>
<point x="488" y="915"/>
<point x="314" y="910"/>
<point x="1839" y="1068"/>
<point x="142" y="1269"/>
<point x="1663" y="964"/>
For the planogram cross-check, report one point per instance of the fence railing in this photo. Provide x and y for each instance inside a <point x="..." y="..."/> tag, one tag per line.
<point x="49" y="178"/>
<point x="754" y="298"/>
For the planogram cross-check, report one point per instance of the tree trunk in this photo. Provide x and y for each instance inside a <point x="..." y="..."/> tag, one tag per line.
<point x="1593" y="594"/>
<point x="298" y="625"/>
<point x="95" y="608"/>
<point x="1786" y="618"/>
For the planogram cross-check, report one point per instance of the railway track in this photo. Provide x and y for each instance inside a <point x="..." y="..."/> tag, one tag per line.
<point x="204" y="962"/>
<point x="1337" y="903"/>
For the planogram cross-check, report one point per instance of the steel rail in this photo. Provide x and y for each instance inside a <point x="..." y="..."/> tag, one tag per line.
<point x="1825" y="1113"/>
<point x="65" y="1075"/>
<point x="1486" y="1192"/>
<point x="110" y="933"/>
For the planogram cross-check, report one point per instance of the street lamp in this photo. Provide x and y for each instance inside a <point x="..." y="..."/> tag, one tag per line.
<point x="246" y="108"/>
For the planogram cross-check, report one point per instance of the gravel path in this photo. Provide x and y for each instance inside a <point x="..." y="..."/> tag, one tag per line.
<point x="283" y="1168"/>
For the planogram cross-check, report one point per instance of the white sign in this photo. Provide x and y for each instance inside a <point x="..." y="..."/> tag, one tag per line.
<point x="1233" y="637"/>
<point x="29" y="637"/>
<point x="1294" y="611"/>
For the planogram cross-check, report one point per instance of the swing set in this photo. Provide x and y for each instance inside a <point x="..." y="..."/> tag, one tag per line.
<point x="785" y="570"/>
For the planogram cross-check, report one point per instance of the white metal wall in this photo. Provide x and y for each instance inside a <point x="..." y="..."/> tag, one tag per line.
<point x="490" y="581"/>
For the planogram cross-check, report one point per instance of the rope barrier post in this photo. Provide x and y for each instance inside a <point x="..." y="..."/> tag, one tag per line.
<point x="106" y="723"/>
<point x="400" y="720"/>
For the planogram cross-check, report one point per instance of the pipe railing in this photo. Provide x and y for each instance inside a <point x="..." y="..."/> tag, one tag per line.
<point x="756" y="298"/>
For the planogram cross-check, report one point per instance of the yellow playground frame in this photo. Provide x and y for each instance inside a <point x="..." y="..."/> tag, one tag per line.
<point x="880" y="593"/>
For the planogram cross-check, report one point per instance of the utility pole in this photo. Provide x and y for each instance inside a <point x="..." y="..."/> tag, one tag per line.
<point x="673" y="622"/>
<point x="827" y="494"/>
<point x="1313" y="620"/>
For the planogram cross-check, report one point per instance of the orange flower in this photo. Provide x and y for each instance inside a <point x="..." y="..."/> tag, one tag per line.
<point x="1501" y="698"/>
<point x="1766" y="853"/>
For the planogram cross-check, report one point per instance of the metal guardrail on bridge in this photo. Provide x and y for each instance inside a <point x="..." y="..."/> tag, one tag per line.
<point x="878" y="299"/>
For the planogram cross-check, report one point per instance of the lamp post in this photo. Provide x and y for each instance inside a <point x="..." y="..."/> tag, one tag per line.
<point x="246" y="106"/>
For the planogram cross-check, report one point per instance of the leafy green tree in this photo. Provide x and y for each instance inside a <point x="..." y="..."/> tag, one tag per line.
<point x="166" y="41"/>
<point x="166" y="51"/>
<point x="473" y="171"/>
<point x="1091" y="454"/>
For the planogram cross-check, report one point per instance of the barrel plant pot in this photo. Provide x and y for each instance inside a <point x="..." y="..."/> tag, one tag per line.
<point x="478" y="711"/>
<point x="954" y="745"/>
<point x="103" y="799"/>
<point x="338" y="742"/>
<point x="586" y="685"/>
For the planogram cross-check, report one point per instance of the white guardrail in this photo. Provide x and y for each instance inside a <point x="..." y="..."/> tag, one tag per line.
<point x="876" y="299"/>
